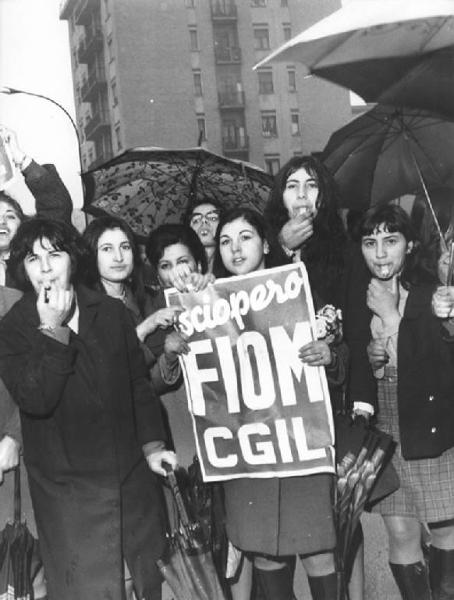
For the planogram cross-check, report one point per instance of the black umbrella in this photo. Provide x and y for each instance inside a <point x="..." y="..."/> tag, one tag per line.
<point x="151" y="186"/>
<point x="19" y="554"/>
<point x="188" y="566"/>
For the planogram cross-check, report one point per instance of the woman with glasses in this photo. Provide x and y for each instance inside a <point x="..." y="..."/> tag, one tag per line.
<point x="203" y="217"/>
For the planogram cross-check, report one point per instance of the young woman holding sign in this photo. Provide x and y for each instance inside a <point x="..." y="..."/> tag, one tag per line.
<point x="410" y="371"/>
<point x="297" y="511"/>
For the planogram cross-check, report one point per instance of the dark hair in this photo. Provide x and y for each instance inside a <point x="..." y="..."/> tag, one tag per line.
<point x="91" y="237"/>
<point x="170" y="234"/>
<point x="323" y="251"/>
<point x="394" y="219"/>
<point x="276" y="255"/>
<point x="14" y="205"/>
<point x="197" y="202"/>
<point x="61" y="236"/>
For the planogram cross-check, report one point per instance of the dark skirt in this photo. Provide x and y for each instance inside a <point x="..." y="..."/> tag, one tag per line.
<point x="426" y="485"/>
<point x="281" y="516"/>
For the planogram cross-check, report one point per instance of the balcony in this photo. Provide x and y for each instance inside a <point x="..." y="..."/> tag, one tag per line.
<point x="227" y="55"/>
<point x="83" y="11"/>
<point x="223" y="10"/>
<point x="98" y="123"/>
<point x="89" y="45"/>
<point x="95" y="82"/>
<point x="231" y="99"/>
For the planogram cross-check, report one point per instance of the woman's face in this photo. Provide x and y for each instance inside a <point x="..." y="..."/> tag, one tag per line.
<point x="204" y="221"/>
<point x="176" y="258"/>
<point x="385" y="252"/>
<point x="114" y="256"/>
<point x="241" y="247"/>
<point x="9" y="224"/>
<point x="47" y="266"/>
<point x="300" y="195"/>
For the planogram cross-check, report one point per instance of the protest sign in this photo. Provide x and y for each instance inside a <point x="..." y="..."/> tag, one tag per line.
<point x="7" y="168"/>
<point x="257" y="410"/>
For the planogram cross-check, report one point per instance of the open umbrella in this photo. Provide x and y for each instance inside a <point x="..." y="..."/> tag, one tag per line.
<point x="188" y="567"/>
<point x="388" y="152"/>
<point x="151" y="186"/>
<point x="19" y="555"/>
<point x="396" y="52"/>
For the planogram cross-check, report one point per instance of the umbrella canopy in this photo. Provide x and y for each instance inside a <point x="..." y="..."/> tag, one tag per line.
<point x="19" y="554"/>
<point x="382" y="155"/>
<point x="151" y="186"/>
<point x="388" y="51"/>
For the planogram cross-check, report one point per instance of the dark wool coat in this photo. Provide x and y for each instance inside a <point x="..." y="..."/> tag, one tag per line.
<point x="86" y="410"/>
<point x="425" y="368"/>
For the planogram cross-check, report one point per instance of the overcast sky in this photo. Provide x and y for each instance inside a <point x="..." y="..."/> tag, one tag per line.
<point x="34" y="56"/>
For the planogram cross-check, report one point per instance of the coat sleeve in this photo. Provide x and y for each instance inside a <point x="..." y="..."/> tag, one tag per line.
<point x="9" y="415"/>
<point x="33" y="366"/>
<point x="147" y="405"/>
<point x="52" y="198"/>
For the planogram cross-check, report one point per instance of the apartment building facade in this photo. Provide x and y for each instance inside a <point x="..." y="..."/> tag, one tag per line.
<point x="177" y="73"/>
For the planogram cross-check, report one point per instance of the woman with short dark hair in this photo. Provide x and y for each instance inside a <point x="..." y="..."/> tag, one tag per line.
<point x="90" y="421"/>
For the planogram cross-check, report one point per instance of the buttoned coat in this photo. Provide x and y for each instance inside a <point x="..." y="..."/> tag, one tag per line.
<point x="86" y="410"/>
<point x="425" y="368"/>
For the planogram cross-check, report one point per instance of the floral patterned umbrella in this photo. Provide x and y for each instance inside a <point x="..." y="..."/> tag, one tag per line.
<point x="151" y="186"/>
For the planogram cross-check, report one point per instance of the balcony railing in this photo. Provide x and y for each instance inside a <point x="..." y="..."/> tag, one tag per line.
<point x="235" y="143"/>
<point x="88" y="46"/>
<point x="226" y="55"/>
<point x="231" y="99"/>
<point x="98" y="122"/>
<point x="223" y="10"/>
<point x="95" y="81"/>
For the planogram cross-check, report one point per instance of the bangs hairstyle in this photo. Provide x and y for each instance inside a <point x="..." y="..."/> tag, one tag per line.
<point x="393" y="219"/>
<point x="14" y="205"/>
<point x="276" y="256"/>
<point x="169" y="235"/>
<point x="60" y="235"/>
<point x="91" y="274"/>
<point x="198" y="202"/>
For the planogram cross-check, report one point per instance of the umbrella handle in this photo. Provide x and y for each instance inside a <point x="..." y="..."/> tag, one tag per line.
<point x="17" y="495"/>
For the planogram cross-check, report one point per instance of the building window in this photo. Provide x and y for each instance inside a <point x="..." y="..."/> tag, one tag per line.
<point x="118" y="136"/>
<point x="265" y="82"/>
<point x="197" y="83"/>
<point x="110" y="49"/>
<point x="193" y="40"/>
<point x="256" y="3"/>
<point x="261" y="38"/>
<point x="295" y="122"/>
<point x="287" y="29"/>
<point x="113" y="87"/>
<point x="272" y="164"/>
<point x="291" y="79"/>
<point x="269" y="125"/>
<point x="201" y="128"/>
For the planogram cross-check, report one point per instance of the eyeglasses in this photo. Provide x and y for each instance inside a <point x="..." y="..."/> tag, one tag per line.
<point x="211" y="217"/>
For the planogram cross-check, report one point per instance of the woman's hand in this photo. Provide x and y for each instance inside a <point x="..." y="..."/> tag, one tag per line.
<point x="383" y="301"/>
<point x="316" y="354"/>
<point x="174" y="345"/>
<point x="185" y="280"/>
<point x="443" y="302"/>
<point x="156" y="459"/>
<point x="9" y="454"/>
<point x="162" y="318"/>
<point x="296" y="231"/>
<point x="10" y="138"/>
<point x="54" y="304"/>
<point x="376" y="352"/>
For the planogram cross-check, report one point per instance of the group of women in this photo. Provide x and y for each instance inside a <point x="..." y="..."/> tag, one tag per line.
<point x="88" y="348"/>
